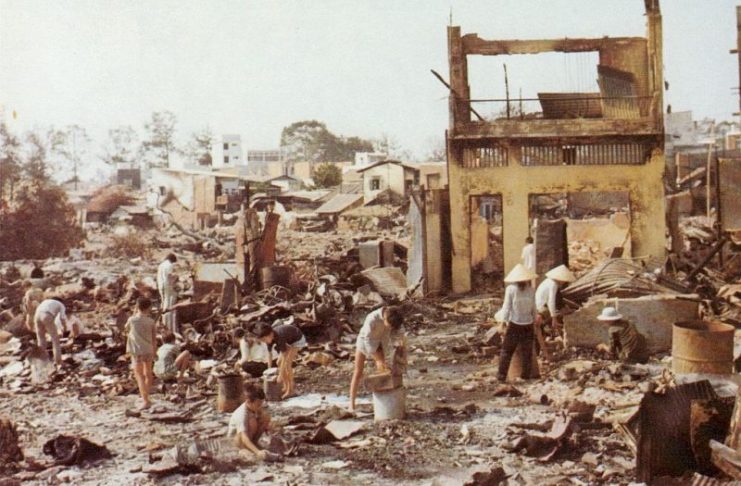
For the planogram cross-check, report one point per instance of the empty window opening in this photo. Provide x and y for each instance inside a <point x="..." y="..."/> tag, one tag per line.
<point x="580" y="229"/>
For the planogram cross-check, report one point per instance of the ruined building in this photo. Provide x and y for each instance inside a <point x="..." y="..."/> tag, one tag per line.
<point x="607" y="141"/>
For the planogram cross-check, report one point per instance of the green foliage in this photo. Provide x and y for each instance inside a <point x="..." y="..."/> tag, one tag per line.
<point x="36" y="221"/>
<point x="38" y="224"/>
<point x="199" y="147"/>
<point x="160" y="142"/>
<point x="327" y="175"/>
<point x="36" y="167"/>
<point x="311" y="140"/>
<point x="10" y="162"/>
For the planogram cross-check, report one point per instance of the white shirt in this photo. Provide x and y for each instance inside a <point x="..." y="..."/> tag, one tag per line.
<point x="53" y="307"/>
<point x="238" y="421"/>
<point x="528" y="256"/>
<point x="258" y="351"/>
<point x="374" y="332"/>
<point x="519" y="305"/>
<point x="165" y="275"/>
<point x="545" y="296"/>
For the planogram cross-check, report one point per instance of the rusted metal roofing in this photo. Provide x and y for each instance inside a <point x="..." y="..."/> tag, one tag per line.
<point x="340" y="203"/>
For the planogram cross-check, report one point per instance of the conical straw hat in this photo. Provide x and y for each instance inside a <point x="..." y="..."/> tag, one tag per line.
<point x="561" y="273"/>
<point x="520" y="274"/>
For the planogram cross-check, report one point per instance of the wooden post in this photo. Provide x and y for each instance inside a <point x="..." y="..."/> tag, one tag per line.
<point x="708" y="181"/>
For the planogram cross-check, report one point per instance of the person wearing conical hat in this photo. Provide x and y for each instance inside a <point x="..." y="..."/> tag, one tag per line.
<point x="519" y="312"/>
<point x="626" y="343"/>
<point x="546" y="295"/>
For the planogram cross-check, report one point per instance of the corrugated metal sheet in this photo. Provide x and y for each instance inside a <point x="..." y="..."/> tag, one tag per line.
<point x="339" y="203"/>
<point x="662" y="428"/>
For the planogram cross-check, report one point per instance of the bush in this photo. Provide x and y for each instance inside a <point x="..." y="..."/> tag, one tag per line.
<point x="327" y="175"/>
<point x="38" y="223"/>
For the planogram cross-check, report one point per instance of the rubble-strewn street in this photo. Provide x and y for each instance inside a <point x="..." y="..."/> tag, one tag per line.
<point x="460" y="421"/>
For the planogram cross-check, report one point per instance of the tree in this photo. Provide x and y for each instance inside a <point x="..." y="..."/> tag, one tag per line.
<point x="10" y="162"/>
<point x="311" y="140"/>
<point x="327" y="175"/>
<point x="121" y="147"/>
<point x="199" y="147"/>
<point x="70" y="143"/>
<point x="159" y="143"/>
<point x="436" y="150"/>
<point x="36" y="166"/>
<point x="38" y="222"/>
<point x="389" y="145"/>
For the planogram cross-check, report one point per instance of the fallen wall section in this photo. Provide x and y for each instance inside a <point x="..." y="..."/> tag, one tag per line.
<point x="652" y="315"/>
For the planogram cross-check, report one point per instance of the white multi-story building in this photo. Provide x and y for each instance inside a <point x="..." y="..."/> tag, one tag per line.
<point x="227" y="152"/>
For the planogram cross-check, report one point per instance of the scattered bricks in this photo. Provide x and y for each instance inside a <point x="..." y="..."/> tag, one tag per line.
<point x="383" y="382"/>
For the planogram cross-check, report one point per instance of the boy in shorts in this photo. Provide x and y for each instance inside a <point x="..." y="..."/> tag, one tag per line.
<point x="373" y="342"/>
<point x="140" y="344"/>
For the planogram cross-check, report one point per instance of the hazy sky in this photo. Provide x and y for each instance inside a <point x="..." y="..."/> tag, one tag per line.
<point x="362" y="67"/>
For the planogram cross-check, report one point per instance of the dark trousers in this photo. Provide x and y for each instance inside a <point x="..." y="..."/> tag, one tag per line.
<point x="517" y="335"/>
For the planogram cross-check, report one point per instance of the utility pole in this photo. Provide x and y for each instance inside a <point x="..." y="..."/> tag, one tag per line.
<point x="506" y="89"/>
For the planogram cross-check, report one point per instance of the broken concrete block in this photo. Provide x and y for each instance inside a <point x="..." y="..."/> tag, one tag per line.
<point x="388" y="281"/>
<point x="383" y="382"/>
<point x="369" y="253"/>
<point x="653" y="317"/>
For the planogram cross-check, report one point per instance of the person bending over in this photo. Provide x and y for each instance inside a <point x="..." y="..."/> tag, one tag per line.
<point x="373" y="342"/>
<point x="287" y="340"/>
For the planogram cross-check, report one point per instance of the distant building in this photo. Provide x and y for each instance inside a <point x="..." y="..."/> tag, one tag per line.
<point x="363" y="159"/>
<point x="265" y="162"/>
<point x="388" y="176"/>
<point x="227" y="151"/>
<point x="129" y="175"/>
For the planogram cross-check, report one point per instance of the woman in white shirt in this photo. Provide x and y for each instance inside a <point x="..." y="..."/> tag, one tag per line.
<point x="519" y="312"/>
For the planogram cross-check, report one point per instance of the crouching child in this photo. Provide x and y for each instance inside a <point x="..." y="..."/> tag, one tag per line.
<point x="249" y="422"/>
<point x="171" y="364"/>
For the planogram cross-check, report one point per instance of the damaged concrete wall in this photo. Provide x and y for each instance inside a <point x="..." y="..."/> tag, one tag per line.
<point x="515" y="182"/>
<point x="491" y="156"/>
<point x="190" y="199"/>
<point x="652" y="315"/>
<point x="429" y="245"/>
<point x="603" y="232"/>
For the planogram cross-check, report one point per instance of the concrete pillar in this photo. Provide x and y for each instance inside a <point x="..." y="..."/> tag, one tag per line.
<point x="648" y="217"/>
<point x="516" y="227"/>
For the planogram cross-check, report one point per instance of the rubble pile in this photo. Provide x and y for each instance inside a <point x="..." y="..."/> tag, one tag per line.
<point x="579" y="421"/>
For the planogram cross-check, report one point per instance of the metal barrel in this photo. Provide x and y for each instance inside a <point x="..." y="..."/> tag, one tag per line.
<point x="275" y="275"/>
<point x="231" y="393"/>
<point x="702" y="347"/>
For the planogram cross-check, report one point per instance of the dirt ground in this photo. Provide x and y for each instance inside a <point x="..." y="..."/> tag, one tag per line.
<point x="459" y="421"/>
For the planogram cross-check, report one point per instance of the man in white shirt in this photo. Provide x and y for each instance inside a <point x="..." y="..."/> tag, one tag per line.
<point x="47" y="312"/>
<point x="166" y="280"/>
<point x="545" y="299"/>
<point x="527" y="258"/>
<point x="520" y="314"/>
<point x="547" y="292"/>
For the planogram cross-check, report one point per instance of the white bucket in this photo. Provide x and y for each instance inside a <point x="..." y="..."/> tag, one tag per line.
<point x="389" y="405"/>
